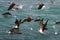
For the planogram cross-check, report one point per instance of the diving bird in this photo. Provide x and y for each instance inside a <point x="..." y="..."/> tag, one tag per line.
<point x="43" y="26"/>
<point x="17" y="7"/>
<point x="41" y="6"/>
<point x="12" y="31"/>
<point x="12" y="5"/>
<point x="57" y="22"/>
<point x="16" y="27"/>
<point x="7" y="13"/>
<point x="18" y="23"/>
<point x="28" y="19"/>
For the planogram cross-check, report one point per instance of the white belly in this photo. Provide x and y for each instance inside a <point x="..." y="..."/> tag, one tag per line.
<point x="43" y="7"/>
<point x="41" y="31"/>
<point x="15" y="26"/>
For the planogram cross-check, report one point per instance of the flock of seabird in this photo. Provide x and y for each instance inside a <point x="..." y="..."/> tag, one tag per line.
<point x="43" y="26"/>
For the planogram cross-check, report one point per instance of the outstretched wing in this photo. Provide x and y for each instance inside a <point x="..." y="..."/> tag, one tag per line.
<point x="45" y="25"/>
<point x="6" y="13"/>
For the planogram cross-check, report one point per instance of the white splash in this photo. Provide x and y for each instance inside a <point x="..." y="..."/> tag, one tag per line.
<point x="56" y="33"/>
<point x="15" y="16"/>
<point x="55" y="30"/>
<point x="31" y="28"/>
<point x="53" y="26"/>
<point x="19" y="6"/>
<point x="8" y="32"/>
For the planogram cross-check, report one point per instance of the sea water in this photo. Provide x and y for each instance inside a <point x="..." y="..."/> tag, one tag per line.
<point x="28" y="29"/>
